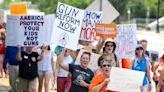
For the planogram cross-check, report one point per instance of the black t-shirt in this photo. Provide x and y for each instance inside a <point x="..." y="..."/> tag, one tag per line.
<point x="28" y="68"/>
<point x="78" y="73"/>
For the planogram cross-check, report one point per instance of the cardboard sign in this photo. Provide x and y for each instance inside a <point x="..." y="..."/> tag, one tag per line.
<point x="18" y="8"/>
<point x="25" y="30"/>
<point x="67" y="26"/>
<point x="93" y="61"/>
<point x="125" y="80"/>
<point x="126" y="40"/>
<point x="1" y="15"/>
<point x="108" y="30"/>
<point x="88" y="26"/>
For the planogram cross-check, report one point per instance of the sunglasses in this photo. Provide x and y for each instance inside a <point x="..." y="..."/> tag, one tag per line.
<point x="106" y="65"/>
<point x="140" y="48"/>
<point x="109" y="45"/>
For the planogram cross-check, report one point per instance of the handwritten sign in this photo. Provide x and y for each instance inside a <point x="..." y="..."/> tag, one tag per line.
<point x="126" y="40"/>
<point x="88" y="32"/>
<point x="93" y="61"/>
<point x="1" y="15"/>
<point x="108" y="30"/>
<point x="67" y="26"/>
<point x="18" y="8"/>
<point x="125" y="80"/>
<point x="28" y="30"/>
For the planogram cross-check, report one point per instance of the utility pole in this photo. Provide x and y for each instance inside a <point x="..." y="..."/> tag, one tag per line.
<point x="158" y="5"/>
<point x="101" y="4"/>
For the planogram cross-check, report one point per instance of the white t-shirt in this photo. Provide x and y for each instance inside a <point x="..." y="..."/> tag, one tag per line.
<point x="61" y="71"/>
<point x="45" y="63"/>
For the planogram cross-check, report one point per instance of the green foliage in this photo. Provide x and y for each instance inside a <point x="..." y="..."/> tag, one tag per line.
<point x="139" y="8"/>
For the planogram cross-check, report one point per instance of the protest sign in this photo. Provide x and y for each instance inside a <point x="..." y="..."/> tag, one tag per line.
<point x="93" y="60"/>
<point x="28" y="30"/>
<point x="88" y="32"/>
<point x="125" y="80"/>
<point x="12" y="27"/>
<point x="67" y="26"/>
<point x="18" y="8"/>
<point x="1" y="15"/>
<point x="49" y="20"/>
<point x="108" y="30"/>
<point x="126" y="40"/>
<point x="154" y="56"/>
<point x="109" y="12"/>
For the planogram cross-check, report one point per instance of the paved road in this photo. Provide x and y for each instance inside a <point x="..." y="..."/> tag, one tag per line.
<point x="4" y="85"/>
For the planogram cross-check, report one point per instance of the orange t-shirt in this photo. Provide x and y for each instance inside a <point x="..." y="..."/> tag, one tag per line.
<point x="97" y="79"/>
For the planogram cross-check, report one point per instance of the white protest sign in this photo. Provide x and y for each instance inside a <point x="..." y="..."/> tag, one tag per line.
<point x="93" y="60"/>
<point x="125" y="80"/>
<point x="28" y="30"/>
<point x="1" y="15"/>
<point x="126" y="40"/>
<point x="49" y="20"/>
<point x="67" y="26"/>
<point x="12" y="27"/>
<point x="88" y="32"/>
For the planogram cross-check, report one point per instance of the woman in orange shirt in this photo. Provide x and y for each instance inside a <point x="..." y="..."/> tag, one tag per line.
<point x="100" y="81"/>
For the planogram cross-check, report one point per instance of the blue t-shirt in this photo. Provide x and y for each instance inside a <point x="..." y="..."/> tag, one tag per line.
<point x="140" y="66"/>
<point x="78" y="73"/>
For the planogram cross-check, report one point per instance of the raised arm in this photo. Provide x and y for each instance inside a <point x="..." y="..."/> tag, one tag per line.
<point x="100" y="44"/>
<point x="19" y="58"/>
<point x="40" y="57"/>
<point x="60" y="57"/>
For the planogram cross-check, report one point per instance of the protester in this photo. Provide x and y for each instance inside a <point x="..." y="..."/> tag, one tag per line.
<point x="100" y="81"/>
<point x="108" y="50"/>
<point x="81" y="74"/>
<point x="11" y="58"/>
<point x="63" y="79"/>
<point x="2" y="46"/>
<point x="45" y="68"/>
<point x="144" y="44"/>
<point x="28" y="68"/>
<point x="158" y="74"/>
<point x="140" y="63"/>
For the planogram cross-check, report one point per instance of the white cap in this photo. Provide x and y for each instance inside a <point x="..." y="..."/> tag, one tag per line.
<point x="139" y="45"/>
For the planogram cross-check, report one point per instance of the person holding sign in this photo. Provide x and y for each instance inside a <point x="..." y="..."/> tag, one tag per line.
<point x="100" y="81"/>
<point x="28" y="68"/>
<point x="81" y="74"/>
<point x="45" y="68"/>
<point x="63" y="78"/>
<point x="140" y="63"/>
<point x="158" y="70"/>
<point x="108" y="50"/>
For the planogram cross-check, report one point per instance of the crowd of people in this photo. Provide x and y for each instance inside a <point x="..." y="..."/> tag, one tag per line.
<point x="32" y="65"/>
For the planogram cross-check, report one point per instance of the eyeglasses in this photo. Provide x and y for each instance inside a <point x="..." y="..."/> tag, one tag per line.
<point x="106" y="65"/>
<point x="109" y="45"/>
<point x="140" y="48"/>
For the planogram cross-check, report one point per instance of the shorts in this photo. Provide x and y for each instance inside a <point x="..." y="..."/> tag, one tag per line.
<point x="44" y="72"/>
<point x="24" y="84"/>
